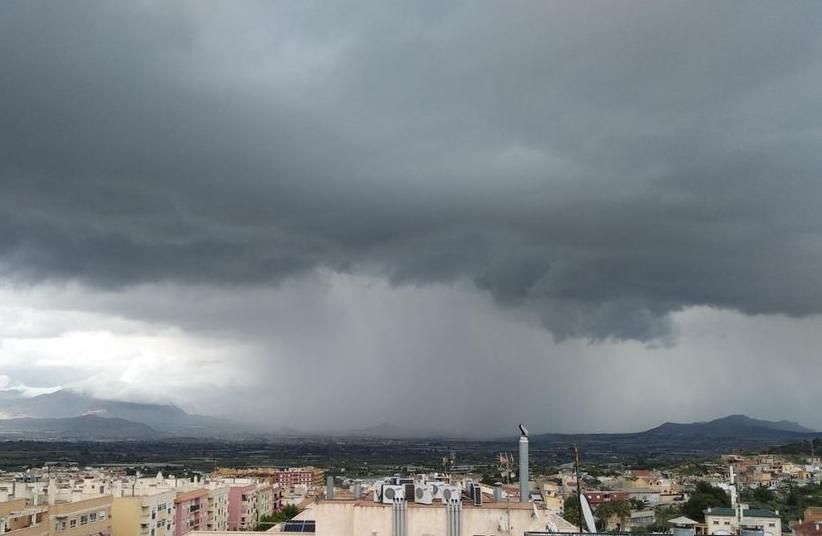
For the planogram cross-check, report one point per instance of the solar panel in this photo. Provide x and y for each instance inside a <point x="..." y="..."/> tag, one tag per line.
<point x="299" y="526"/>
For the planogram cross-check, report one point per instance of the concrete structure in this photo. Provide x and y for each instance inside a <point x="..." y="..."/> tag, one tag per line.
<point x="18" y="517"/>
<point x="724" y="522"/>
<point x="81" y="517"/>
<point x="191" y="510"/>
<point x="149" y="514"/>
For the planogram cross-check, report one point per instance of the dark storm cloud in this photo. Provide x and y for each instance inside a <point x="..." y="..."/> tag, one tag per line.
<point x="604" y="164"/>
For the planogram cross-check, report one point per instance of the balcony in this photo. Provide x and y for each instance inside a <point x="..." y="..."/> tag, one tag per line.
<point x="40" y="529"/>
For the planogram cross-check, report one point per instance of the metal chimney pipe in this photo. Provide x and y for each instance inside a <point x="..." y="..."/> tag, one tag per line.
<point x="523" y="465"/>
<point x="329" y="487"/>
<point x="358" y="489"/>
<point x="498" y="492"/>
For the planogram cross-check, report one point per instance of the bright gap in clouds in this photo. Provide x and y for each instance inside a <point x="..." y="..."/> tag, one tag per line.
<point x="431" y="358"/>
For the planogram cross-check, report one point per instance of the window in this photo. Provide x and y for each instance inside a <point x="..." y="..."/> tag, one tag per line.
<point x="72" y="523"/>
<point x="771" y="524"/>
<point x="716" y="522"/>
<point x="101" y="515"/>
<point x="61" y="525"/>
<point x="727" y="522"/>
<point x="84" y="519"/>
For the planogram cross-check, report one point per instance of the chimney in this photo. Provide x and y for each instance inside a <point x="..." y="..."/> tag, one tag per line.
<point x="523" y="464"/>
<point x="357" y="489"/>
<point x="498" y="492"/>
<point x="329" y="487"/>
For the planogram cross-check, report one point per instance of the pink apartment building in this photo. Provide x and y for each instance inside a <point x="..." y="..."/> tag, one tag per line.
<point x="191" y="510"/>
<point x="242" y="506"/>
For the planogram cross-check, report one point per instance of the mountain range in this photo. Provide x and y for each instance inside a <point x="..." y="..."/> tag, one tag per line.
<point x="67" y="414"/>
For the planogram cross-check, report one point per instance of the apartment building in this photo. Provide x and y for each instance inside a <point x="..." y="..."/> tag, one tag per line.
<point x="265" y="500"/>
<point x="18" y="517"/>
<point x="191" y="510"/>
<point x="217" y="510"/>
<point x="81" y="517"/>
<point x="310" y="477"/>
<point x="242" y="506"/>
<point x="150" y="514"/>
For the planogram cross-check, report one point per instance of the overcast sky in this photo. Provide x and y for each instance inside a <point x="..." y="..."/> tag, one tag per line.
<point x="585" y="216"/>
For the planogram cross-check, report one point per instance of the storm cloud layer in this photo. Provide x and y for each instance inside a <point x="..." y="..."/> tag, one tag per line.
<point x="605" y="164"/>
<point x="599" y="168"/>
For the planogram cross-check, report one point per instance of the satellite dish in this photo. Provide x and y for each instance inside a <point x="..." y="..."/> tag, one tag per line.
<point x="587" y="514"/>
<point x="523" y="430"/>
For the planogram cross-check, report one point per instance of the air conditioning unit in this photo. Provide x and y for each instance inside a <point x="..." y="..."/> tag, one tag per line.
<point x="451" y="493"/>
<point x="436" y="489"/>
<point x="391" y="492"/>
<point x="423" y="494"/>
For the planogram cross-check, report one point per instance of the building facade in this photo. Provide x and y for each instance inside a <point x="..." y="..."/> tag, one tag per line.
<point x="152" y="514"/>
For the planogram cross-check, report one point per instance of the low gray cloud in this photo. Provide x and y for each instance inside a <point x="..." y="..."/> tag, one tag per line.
<point x="602" y="165"/>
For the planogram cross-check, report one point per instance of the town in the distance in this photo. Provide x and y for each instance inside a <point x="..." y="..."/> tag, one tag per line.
<point x="732" y="476"/>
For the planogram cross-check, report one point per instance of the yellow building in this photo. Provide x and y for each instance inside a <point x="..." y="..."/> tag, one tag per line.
<point x="150" y="514"/>
<point x="84" y="517"/>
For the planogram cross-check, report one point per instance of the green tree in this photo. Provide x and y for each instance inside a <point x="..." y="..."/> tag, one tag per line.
<point x="289" y="511"/>
<point x="571" y="510"/>
<point x="703" y="497"/>
<point x="607" y="510"/>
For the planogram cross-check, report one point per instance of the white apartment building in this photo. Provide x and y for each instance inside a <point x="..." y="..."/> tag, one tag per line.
<point x="217" y="509"/>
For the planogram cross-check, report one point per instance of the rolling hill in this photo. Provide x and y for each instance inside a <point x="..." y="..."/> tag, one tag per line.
<point x="87" y="427"/>
<point x="730" y="426"/>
